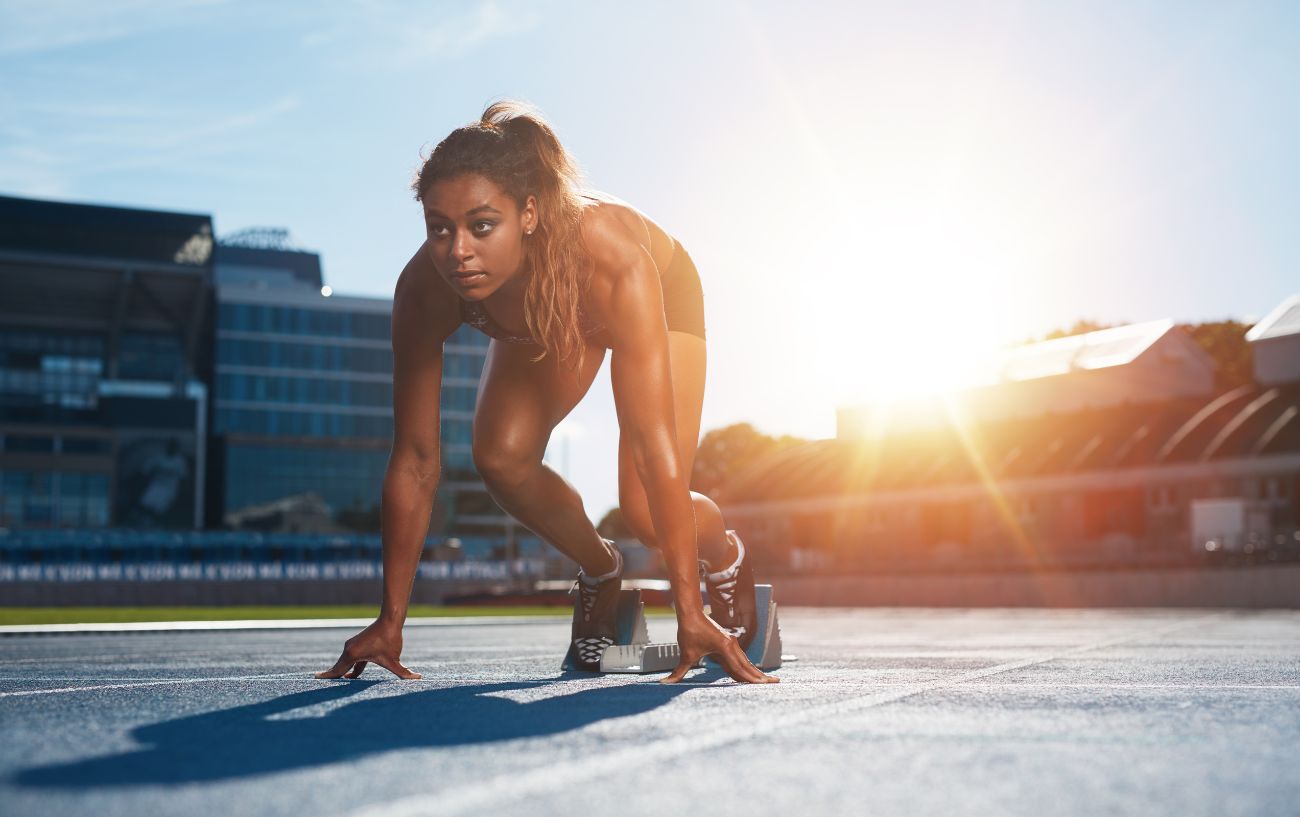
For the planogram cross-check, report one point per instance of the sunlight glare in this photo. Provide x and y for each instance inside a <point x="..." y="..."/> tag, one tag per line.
<point x="929" y="292"/>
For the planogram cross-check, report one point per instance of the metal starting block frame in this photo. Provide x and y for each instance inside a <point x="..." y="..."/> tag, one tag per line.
<point x="633" y="652"/>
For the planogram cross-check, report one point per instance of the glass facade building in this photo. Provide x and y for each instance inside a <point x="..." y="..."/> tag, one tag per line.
<point x="104" y="345"/>
<point x="151" y="377"/>
<point x="302" y="406"/>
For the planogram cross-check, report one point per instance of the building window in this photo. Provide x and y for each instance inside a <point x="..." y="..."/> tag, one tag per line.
<point x="150" y="356"/>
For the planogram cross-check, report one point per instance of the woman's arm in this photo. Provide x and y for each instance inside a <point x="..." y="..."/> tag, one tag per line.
<point x="421" y="321"/>
<point x="415" y="463"/>
<point x="626" y="288"/>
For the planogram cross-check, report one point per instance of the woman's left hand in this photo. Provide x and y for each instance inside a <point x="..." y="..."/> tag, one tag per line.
<point x="698" y="636"/>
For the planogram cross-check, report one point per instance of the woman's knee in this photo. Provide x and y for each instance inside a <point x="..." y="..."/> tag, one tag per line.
<point x="636" y="515"/>
<point x="708" y="516"/>
<point x="502" y="465"/>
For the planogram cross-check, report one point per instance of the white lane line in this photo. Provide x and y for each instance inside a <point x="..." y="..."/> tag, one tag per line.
<point x="373" y="674"/>
<point x="307" y="675"/>
<point x="475" y="797"/>
<point x="269" y="624"/>
<point x="24" y="692"/>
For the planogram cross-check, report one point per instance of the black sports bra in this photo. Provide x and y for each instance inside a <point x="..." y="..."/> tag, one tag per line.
<point x="473" y="313"/>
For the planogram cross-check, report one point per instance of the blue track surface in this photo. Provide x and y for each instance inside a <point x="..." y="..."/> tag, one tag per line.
<point x="910" y="712"/>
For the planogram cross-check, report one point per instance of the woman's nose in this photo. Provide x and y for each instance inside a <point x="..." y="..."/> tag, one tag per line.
<point x="460" y="247"/>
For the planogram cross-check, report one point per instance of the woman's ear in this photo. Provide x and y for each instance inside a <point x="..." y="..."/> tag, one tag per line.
<point x="530" y="216"/>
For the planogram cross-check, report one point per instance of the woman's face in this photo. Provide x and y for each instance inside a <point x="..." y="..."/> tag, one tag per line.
<point x="476" y="234"/>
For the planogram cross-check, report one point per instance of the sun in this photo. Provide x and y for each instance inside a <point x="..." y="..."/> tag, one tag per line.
<point x="927" y="306"/>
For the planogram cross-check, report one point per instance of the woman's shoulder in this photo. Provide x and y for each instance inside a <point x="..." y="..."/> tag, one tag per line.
<point x="423" y="301"/>
<point x="607" y="219"/>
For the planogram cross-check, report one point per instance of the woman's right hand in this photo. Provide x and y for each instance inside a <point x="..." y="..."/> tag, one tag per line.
<point x="698" y="636"/>
<point x="380" y="643"/>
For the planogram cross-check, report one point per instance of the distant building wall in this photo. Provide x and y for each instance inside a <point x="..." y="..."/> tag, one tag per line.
<point x="1276" y="344"/>
<point x="103" y="341"/>
<point x="1277" y="360"/>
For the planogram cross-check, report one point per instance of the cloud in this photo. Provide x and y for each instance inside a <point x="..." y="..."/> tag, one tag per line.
<point x="394" y="37"/>
<point x="74" y="141"/>
<point x="31" y="28"/>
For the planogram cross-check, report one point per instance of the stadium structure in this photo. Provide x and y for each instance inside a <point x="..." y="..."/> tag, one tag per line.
<point x="1108" y="448"/>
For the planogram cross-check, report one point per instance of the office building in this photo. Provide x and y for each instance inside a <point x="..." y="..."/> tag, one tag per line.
<point x="104" y="343"/>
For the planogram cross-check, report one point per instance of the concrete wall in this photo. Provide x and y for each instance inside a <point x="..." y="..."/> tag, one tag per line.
<point x="1277" y="360"/>
<point x="1253" y="587"/>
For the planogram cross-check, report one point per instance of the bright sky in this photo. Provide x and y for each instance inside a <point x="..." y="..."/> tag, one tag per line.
<point x="874" y="192"/>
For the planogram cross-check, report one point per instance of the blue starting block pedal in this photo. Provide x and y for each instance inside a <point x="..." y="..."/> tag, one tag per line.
<point x="633" y="652"/>
<point x="765" y="650"/>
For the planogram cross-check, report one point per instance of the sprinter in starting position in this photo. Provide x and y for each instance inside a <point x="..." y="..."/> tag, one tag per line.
<point x="555" y="275"/>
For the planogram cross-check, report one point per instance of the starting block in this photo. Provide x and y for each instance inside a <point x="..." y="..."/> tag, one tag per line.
<point x="633" y="653"/>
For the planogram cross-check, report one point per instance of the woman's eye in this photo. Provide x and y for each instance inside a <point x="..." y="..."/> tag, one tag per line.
<point x="437" y="231"/>
<point x="483" y="226"/>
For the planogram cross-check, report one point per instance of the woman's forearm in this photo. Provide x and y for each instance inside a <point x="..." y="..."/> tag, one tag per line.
<point x="673" y="513"/>
<point x="407" y="503"/>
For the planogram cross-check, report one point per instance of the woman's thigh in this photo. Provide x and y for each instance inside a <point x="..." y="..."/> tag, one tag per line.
<point x="687" y="363"/>
<point x="520" y="402"/>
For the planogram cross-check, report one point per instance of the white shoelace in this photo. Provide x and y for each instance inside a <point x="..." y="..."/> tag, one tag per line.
<point x="591" y="648"/>
<point x="724" y="582"/>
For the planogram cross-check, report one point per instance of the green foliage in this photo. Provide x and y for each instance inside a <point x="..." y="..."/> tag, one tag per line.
<point x="728" y="451"/>
<point x="1234" y="360"/>
<point x="1081" y="327"/>
<point x="723" y="453"/>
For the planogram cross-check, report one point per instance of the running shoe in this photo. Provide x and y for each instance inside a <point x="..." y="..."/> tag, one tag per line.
<point x="595" y="613"/>
<point x="731" y="595"/>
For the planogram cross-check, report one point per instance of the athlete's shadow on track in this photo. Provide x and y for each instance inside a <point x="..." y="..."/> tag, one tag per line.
<point x="271" y="737"/>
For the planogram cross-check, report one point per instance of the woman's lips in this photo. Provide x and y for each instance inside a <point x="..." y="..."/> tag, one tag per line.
<point x="468" y="278"/>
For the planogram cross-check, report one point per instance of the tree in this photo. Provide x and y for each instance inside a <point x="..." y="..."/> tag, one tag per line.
<point x="1081" y="327"/>
<point x="1234" y="360"/>
<point x="722" y="454"/>
<point x="725" y="452"/>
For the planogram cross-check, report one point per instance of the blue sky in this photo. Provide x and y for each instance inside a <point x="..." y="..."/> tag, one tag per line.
<point x="873" y="192"/>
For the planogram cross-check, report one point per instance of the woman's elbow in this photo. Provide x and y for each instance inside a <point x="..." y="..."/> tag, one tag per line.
<point x="422" y="465"/>
<point x="657" y="463"/>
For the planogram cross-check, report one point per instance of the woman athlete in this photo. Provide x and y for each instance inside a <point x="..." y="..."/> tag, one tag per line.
<point x="555" y="276"/>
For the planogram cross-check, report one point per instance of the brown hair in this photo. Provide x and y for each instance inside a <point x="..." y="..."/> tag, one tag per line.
<point x="514" y="147"/>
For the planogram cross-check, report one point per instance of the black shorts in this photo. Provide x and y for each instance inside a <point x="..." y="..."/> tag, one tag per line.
<point x="683" y="294"/>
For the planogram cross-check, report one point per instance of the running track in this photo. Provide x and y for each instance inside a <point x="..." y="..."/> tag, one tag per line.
<point x="886" y="712"/>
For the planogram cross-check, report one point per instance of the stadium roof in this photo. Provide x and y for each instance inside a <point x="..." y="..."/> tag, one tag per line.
<point x="31" y="226"/>
<point x="1248" y="421"/>
<point x="1099" y="349"/>
<point x="234" y="262"/>
<point x="1284" y="320"/>
<point x="86" y="267"/>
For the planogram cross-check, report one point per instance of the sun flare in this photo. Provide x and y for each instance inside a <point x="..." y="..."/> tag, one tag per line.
<point x="923" y="308"/>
